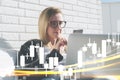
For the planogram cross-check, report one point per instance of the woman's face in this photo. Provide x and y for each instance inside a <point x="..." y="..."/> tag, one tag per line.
<point x="55" y="26"/>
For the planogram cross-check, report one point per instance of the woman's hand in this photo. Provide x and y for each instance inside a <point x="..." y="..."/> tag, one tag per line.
<point x="60" y="42"/>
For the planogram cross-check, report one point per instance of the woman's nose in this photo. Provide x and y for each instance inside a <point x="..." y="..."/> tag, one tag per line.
<point x="59" y="27"/>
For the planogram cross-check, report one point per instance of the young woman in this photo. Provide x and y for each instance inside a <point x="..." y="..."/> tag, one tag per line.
<point x="50" y="25"/>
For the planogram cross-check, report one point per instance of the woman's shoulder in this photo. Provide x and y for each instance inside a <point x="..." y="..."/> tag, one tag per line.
<point x="26" y="45"/>
<point x="33" y="41"/>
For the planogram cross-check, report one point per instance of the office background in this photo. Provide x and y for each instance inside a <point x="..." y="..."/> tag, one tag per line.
<point x="19" y="18"/>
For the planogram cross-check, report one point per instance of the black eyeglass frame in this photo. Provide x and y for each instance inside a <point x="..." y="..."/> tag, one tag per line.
<point x="54" y="24"/>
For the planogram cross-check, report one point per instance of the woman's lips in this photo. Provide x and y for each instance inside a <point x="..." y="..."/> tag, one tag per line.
<point x="56" y="33"/>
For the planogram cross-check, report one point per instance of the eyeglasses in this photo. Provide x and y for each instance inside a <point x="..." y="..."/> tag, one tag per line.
<point x="55" y="24"/>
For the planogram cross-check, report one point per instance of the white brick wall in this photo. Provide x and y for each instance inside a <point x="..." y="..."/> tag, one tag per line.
<point x="19" y="18"/>
<point x="10" y="3"/>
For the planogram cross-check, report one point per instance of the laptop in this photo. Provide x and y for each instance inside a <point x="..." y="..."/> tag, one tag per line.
<point x="77" y="40"/>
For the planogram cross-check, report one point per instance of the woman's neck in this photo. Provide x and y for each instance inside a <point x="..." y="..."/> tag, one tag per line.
<point x="53" y="41"/>
<point x="50" y="45"/>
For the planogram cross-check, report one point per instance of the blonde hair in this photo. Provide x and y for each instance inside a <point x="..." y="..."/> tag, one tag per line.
<point x="43" y="22"/>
